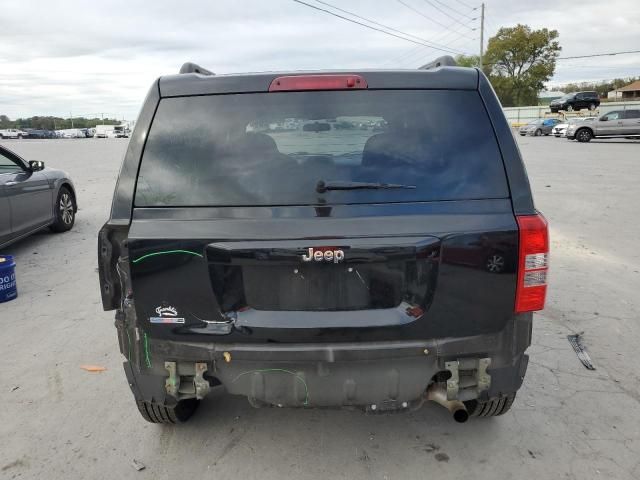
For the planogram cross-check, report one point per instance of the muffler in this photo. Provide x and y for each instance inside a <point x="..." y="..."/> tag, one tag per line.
<point x="437" y="393"/>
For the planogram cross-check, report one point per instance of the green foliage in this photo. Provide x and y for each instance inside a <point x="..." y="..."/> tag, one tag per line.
<point x="55" y="123"/>
<point x="468" y="60"/>
<point x="519" y="61"/>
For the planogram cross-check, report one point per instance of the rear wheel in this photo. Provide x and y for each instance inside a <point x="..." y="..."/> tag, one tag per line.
<point x="492" y="408"/>
<point x="538" y="132"/>
<point x="584" y="135"/>
<point x="179" y="413"/>
<point x="65" y="211"/>
<point x="570" y="108"/>
<point x="592" y="106"/>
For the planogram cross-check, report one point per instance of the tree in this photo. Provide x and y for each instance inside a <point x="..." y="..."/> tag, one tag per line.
<point x="468" y="60"/>
<point x="519" y="61"/>
<point x="54" y="123"/>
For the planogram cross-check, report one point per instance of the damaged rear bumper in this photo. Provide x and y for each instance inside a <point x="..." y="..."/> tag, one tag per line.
<point x="374" y="375"/>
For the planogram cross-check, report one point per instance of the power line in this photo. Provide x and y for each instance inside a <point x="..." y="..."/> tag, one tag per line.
<point x="443" y="11"/>
<point x="428" y="18"/>
<point x="599" y="55"/>
<point x="588" y="56"/>
<point x="377" y="23"/>
<point x="457" y="36"/>
<point x="373" y="28"/>
<point x="466" y="5"/>
<point x="458" y="12"/>
<point x="420" y="50"/>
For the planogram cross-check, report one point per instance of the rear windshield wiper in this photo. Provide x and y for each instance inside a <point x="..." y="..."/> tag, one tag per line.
<point x="323" y="186"/>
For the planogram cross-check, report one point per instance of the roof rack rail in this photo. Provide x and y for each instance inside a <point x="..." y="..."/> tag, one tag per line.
<point x="444" y="61"/>
<point x="194" y="68"/>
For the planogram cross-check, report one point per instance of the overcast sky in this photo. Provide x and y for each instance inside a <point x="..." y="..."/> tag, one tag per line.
<point x="92" y="57"/>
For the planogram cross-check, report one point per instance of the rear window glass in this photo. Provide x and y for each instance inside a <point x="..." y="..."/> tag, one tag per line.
<point x="274" y="148"/>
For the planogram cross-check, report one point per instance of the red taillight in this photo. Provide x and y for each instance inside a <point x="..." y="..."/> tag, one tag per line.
<point x="532" y="263"/>
<point x="317" y="82"/>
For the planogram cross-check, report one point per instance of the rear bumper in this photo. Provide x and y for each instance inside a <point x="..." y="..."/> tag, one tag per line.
<point x="389" y="375"/>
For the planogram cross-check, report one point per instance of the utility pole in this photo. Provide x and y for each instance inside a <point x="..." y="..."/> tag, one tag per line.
<point x="481" y="34"/>
<point x="71" y="115"/>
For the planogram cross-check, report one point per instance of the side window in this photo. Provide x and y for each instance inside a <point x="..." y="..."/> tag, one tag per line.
<point x="632" y="114"/>
<point x="612" y="116"/>
<point x="7" y="165"/>
<point x="580" y="96"/>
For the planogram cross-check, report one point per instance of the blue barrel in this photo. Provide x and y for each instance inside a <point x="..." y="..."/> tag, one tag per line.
<point x="8" y="289"/>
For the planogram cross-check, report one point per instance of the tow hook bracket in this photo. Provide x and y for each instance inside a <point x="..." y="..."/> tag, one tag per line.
<point x="200" y="383"/>
<point x="172" y="383"/>
<point x="453" y="384"/>
<point x="483" y="379"/>
<point x="468" y="378"/>
<point x="191" y="383"/>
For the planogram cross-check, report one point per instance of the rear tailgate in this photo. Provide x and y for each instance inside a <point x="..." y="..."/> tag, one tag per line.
<point x="457" y="278"/>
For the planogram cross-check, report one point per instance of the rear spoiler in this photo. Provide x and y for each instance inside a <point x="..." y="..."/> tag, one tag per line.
<point x="444" y="61"/>
<point x="195" y="68"/>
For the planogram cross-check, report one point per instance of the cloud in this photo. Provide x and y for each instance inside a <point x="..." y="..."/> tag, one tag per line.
<point x="102" y="57"/>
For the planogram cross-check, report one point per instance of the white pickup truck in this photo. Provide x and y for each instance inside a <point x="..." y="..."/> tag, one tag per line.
<point x="13" y="133"/>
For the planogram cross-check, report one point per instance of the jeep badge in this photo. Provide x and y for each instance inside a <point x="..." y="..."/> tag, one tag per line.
<point x="324" y="255"/>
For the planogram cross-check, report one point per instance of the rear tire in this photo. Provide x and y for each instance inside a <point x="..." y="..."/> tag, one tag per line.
<point x="65" y="211"/>
<point x="492" y="408"/>
<point x="570" y="108"/>
<point x="584" y="135"/>
<point x="179" y="413"/>
<point x="592" y="106"/>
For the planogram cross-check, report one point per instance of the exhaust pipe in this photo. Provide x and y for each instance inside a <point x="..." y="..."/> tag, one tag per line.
<point x="438" y="394"/>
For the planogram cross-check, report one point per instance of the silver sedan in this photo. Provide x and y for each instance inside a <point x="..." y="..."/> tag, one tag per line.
<point x="33" y="197"/>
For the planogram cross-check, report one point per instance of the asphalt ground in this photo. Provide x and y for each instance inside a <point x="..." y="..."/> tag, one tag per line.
<point x="60" y="422"/>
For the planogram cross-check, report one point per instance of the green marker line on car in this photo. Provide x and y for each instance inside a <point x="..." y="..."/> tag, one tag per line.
<point x="166" y="252"/>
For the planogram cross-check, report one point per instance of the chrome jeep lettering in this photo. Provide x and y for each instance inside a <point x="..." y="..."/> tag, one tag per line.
<point x="335" y="256"/>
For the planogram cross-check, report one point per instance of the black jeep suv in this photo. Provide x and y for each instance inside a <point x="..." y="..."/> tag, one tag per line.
<point x="324" y="239"/>
<point x="576" y="101"/>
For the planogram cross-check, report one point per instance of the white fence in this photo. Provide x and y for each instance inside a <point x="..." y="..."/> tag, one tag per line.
<point x="527" y="114"/>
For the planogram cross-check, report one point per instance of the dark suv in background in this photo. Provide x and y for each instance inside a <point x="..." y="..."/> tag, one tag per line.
<point x="576" y="101"/>
<point x="378" y="261"/>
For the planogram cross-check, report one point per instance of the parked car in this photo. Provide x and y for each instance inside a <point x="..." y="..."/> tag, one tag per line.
<point x="542" y="126"/>
<point x="560" y="130"/>
<point x="391" y="266"/>
<point x="40" y="134"/>
<point x="616" y="124"/>
<point x="73" y="133"/>
<point x="576" y="101"/>
<point x="13" y="133"/>
<point x="33" y="197"/>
